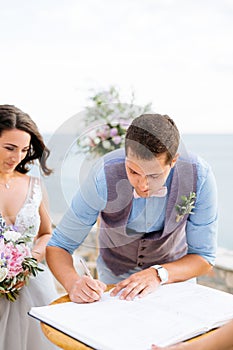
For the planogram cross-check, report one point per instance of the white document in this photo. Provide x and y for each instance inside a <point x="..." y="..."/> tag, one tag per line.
<point x="173" y="313"/>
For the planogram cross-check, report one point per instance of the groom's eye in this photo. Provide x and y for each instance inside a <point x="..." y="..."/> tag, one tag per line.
<point x="133" y="172"/>
<point x="154" y="176"/>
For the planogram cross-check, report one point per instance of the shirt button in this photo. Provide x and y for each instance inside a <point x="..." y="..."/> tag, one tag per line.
<point x="142" y="248"/>
<point x="141" y="256"/>
<point x="140" y="264"/>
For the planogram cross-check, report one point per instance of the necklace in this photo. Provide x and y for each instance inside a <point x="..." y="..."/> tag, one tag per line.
<point x="6" y="184"/>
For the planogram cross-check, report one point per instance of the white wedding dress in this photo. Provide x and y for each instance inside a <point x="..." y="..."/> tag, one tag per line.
<point x="18" y="330"/>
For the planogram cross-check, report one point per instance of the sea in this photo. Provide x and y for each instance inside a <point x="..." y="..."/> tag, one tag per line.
<point x="216" y="149"/>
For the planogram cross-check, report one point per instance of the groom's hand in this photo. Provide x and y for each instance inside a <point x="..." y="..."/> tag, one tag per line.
<point x="138" y="284"/>
<point x="86" y="290"/>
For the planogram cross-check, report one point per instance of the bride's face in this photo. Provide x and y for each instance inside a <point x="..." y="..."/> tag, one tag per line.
<point x="14" y="145"/>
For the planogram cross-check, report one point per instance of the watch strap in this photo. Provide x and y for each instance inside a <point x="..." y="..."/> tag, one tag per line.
<point x="162" y="273"/>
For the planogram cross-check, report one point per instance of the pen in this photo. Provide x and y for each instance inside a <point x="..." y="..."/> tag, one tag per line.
<point x="86" y="269"/>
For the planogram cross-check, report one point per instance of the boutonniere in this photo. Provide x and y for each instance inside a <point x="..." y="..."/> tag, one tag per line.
<point x="186" y="206"/>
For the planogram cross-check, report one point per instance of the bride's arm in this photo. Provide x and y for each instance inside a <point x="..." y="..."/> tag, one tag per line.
<point x="44" y="234"/>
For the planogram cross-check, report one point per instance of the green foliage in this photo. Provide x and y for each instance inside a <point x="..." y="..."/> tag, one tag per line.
<point x="186" y="207"/>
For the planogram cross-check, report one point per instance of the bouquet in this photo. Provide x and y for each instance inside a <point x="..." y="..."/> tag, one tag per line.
<point x="16" y="261"/>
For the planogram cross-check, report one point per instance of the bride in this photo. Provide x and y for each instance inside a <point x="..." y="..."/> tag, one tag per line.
<point x="22" y="204"/>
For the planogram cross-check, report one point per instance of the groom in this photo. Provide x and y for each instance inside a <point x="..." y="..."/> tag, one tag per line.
<point x="151" y="231"/>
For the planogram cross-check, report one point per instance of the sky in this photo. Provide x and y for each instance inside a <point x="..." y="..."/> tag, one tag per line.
<point x="176" y="54"/>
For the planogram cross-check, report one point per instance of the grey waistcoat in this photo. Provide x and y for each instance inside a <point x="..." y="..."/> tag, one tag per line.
<point x="122" y="250"/>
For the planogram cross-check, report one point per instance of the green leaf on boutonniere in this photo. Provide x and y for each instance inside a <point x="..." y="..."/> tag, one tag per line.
<point x="186" y="207"/>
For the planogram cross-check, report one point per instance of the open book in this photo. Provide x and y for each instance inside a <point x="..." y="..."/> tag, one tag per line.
<point x="173" y="313"/>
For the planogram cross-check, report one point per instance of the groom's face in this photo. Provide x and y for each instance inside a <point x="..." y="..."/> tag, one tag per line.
<point x="147" y="176"/>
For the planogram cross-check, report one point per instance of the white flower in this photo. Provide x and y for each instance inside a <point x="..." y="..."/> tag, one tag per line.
<point x="106" y="144"/>
<point x="12" y="235"/>
<point x="97" y="140"/>
<point x="3" y="273"/>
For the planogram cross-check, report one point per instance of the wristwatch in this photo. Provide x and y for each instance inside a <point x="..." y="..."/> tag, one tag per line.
<point x="162" y="273"/>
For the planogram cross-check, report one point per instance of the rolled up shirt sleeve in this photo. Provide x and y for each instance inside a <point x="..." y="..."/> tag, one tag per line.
<point x="77" y="222"/>
<point x="202" y="225"/>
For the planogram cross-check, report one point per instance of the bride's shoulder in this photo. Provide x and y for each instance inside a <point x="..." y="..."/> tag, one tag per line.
<point x="35" y="188"/>
<point x="32" y="182"/>
<point x="29" y="179"/>
<point x="34" y="179"/>
<point x="35" y="183"/>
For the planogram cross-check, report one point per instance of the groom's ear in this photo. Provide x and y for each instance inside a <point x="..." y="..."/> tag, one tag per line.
<point x="174" y="160"/>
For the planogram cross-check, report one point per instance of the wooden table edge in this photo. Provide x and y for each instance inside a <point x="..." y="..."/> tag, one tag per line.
<point x="58" y="338"/>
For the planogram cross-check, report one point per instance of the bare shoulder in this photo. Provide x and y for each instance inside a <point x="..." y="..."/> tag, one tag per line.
<point x="21" y="178"/>
<point x="25" y="180"/>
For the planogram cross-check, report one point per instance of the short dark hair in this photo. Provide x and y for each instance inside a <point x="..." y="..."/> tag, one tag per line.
<point x="12" y="117"/>
<point x="150" y="135"/>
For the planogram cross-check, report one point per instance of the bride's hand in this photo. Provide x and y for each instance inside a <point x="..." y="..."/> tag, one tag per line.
<point x="37" y="255"/>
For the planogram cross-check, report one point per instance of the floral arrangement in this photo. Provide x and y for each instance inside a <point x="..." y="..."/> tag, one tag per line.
<point x="105" y="138"/>
<point x="111" y="118"/>
<point x="186" y="206"/>
<point x="16" y="261"/>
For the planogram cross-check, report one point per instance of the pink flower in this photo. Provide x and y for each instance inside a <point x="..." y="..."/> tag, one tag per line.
<point x="15" y="256"/>
<point x="16" y="261"/>
<point x="91" y="143"/>
<point x="113" y="132"/>
<point x="103" y="132"/>
<point x="117" y="140"/>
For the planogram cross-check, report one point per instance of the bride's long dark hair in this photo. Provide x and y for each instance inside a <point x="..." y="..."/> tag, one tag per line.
<point x="12" y="117"/>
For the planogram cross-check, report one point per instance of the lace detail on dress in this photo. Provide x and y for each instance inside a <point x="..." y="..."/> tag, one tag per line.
<point x="28" y="218"/>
